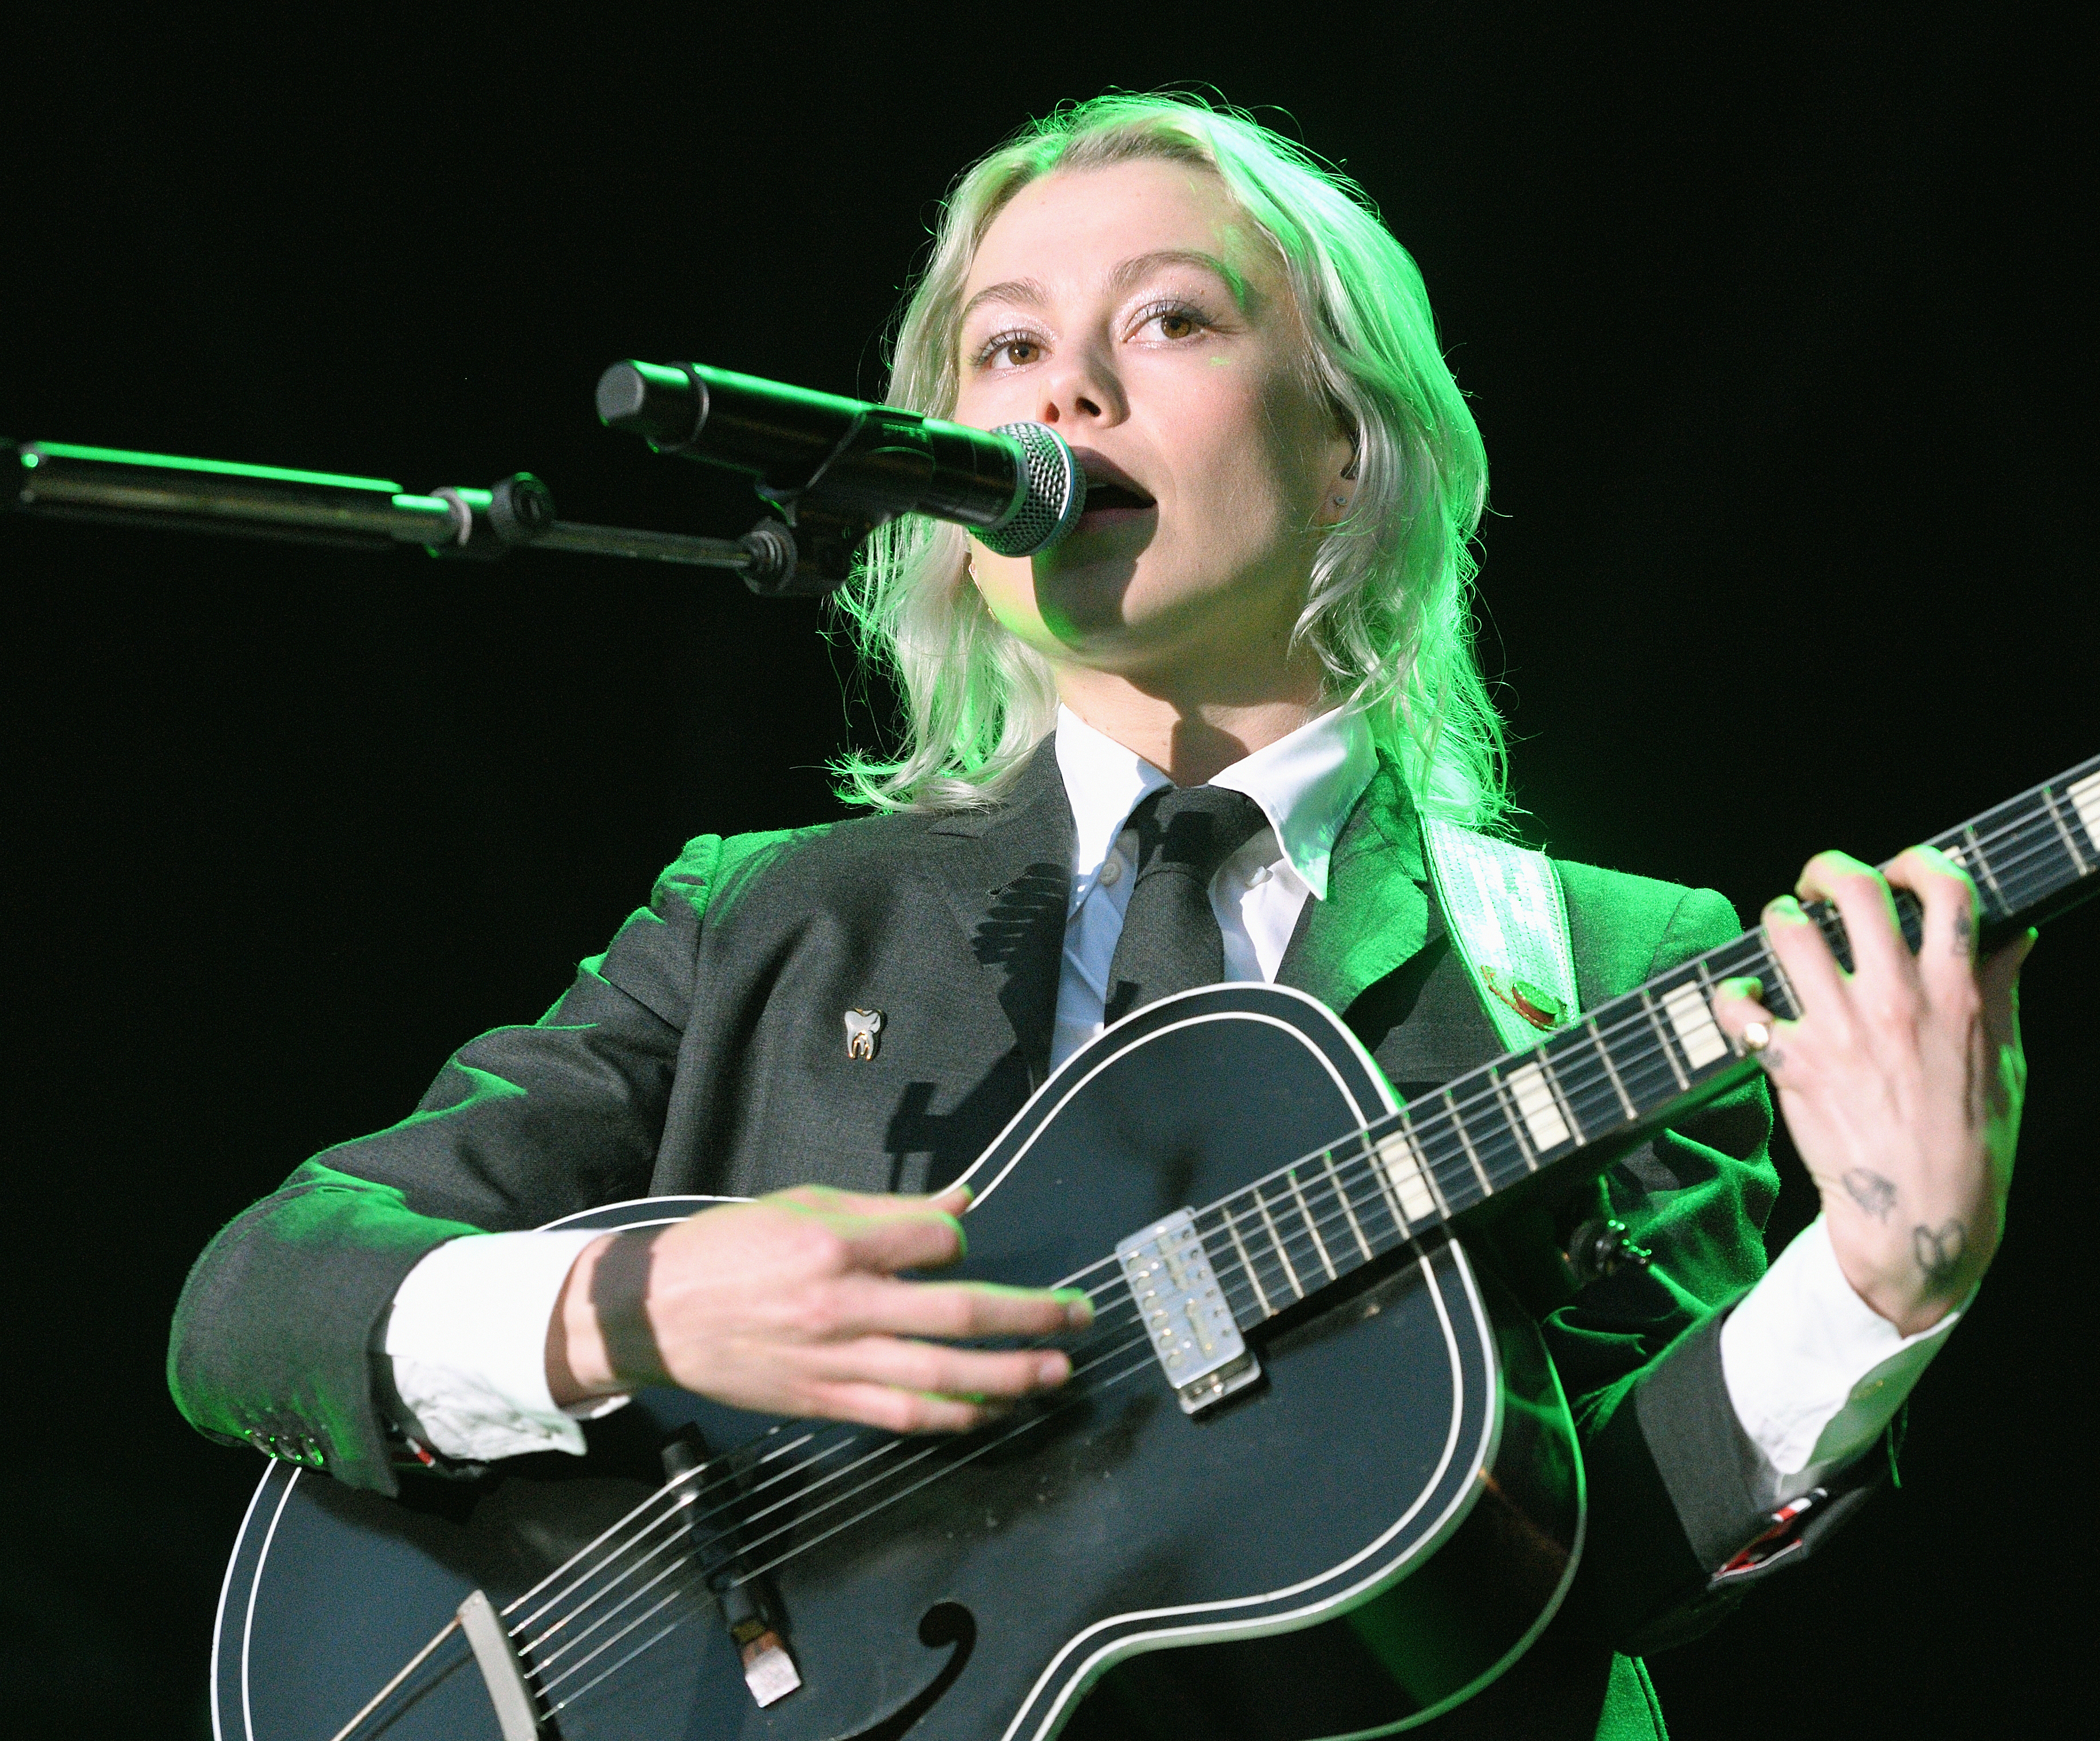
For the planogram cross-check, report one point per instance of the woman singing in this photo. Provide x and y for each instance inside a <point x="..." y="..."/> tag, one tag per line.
<point x="1257" y="637"/>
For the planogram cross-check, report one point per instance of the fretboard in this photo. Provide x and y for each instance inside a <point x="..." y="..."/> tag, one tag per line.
<point x="1628" y="1067"/>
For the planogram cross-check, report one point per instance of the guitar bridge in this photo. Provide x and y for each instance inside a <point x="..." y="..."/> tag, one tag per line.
<point x="1192" y="1329"/>
<point x="748" y="1607"/>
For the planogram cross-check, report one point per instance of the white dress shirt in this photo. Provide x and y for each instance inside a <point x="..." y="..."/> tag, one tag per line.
<point x="1814" y="1373"/>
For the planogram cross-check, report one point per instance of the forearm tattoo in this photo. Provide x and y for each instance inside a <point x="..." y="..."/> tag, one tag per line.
<point x="1939" y="1249"/>
<point x="1871" y="1191"/>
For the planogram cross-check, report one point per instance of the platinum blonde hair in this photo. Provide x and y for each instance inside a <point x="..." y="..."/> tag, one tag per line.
<point x="1388" y="607"/>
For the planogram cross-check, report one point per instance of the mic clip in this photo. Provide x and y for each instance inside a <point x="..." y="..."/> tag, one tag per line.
<point x="824" y="519"/>
<point x="488" y="523"/>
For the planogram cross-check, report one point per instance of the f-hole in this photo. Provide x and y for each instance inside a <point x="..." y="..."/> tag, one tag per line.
<point x="948" y="1624"/>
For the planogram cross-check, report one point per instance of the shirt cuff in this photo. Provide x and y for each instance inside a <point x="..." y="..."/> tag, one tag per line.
<point x="467" y="1340"/>
<point x="1814" y="1371"/>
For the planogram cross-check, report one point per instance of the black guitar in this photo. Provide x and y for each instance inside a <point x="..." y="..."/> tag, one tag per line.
<point x="1269" y="1241"/>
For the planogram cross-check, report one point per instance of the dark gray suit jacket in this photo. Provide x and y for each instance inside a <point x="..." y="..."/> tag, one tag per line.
<point x="704" y="1052"/>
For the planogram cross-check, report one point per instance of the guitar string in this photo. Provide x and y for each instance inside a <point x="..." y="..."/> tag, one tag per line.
<point x="732" y="1486"/>
<point x="680" y="1502"/>
<point x="1140" y="1365"/>
<point x="676" y="1503"/>
<point x="2045" y="828"/>
<point x="931" y="1448"/>
<point x="1135" y="1367"/>
<point x="1333" y="1218"/>
<point x="677" y="1568"/>
<point x="1071" y="1393"/>
<point x="732" y="1483"/>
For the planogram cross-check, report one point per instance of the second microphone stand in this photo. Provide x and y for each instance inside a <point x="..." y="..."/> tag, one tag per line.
<point x="58" y="480"/>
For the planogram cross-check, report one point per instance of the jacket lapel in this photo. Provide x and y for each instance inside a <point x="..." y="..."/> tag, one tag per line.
<point x="1006" y="875"/>
<point x="1376" y="916"/>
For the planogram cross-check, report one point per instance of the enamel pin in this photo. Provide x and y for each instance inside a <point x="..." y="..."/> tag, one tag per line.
<point x="862" y="1026"/>
<point x="1541" y="1009"/>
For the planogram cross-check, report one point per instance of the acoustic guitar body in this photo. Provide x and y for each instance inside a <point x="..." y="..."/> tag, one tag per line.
<point x="1360" y="1539"/>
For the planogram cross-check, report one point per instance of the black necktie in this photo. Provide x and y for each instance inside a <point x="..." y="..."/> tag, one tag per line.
<point x="1170" y="940"/>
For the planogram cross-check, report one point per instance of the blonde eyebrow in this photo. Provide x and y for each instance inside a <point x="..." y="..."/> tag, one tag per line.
<point x="1140" y="266"/>
<point x="1029" y="292"/>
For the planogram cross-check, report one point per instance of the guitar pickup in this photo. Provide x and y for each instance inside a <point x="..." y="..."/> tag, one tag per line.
<point x="1191" y="1328"/>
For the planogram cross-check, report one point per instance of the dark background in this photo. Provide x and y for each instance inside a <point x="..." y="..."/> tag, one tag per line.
<point x="1783" y="360"/>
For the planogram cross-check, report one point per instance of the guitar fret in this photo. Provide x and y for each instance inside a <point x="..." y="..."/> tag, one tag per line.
<point x="1651" y="1072"/>
<point x="1466" y="1141"/>
<point x="1775" y="974"/>
<point x="1662" y="1039"/>
<point x="1413" y="1189"/>
<point x="1550" y="1074"/>
<point x="1500" y="1142"/>
<point x="1275" y="1242"/>
<point x="1611" y="1070"/>
<point x="1590" y="1098"/>
<point x="1697" y="1032"/>
<point x="1378" y="1198"/>
<point x="1245" y="1222"/>
<point x="1312" y="1226"/>
<point x="2070" y="845"/>
<point x="1707" y="984"/>
<point x="1505" y="1103"/>
<point x="1348" y="1208"/>
<point x="1973" y="858"/>
<point x="1246" y="1265"/>
<point x="2084" y="796"/>
<point x="1546" y="1118"/>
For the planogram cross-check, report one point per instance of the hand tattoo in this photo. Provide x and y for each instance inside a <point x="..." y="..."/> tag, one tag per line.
<point x="1872" y="1192"/>
<point x="1939" y="1249"/>
<point x="1965" y="934"/>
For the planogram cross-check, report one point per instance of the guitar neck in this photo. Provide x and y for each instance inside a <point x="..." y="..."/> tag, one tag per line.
<point x="1631" y="1065"/>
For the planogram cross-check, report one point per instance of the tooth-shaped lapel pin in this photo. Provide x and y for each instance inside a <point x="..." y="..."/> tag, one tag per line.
<point x="862" y="1027"/>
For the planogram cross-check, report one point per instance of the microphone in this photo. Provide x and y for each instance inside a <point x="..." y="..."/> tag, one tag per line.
<point x="1018" y="488"/>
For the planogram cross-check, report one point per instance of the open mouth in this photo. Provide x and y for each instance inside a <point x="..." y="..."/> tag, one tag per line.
<point x="1104" y="494"/>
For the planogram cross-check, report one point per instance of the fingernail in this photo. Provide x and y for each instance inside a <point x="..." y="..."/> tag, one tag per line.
<point x="1783" y="906"/>
<point x="1078" y="1308"/>
<point x="1053" y="1369"/>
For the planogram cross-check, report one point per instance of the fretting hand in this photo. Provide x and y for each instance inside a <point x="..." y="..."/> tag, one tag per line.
<point x="788" y="1306"/>
<point x="1901" y="1083"/>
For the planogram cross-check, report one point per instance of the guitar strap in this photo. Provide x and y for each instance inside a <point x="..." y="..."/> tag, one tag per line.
<point x="1508" y="922"/>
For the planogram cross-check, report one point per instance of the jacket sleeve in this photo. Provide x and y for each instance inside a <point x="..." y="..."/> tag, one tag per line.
<point x="272" y="1335"/>
<point x="1671" y="1472"/>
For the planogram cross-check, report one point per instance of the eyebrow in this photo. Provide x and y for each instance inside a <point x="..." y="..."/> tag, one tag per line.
<point x="1031" y="292"/>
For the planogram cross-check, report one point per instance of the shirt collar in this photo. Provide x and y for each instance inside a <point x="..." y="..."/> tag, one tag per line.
<point x="1306" y="782"/>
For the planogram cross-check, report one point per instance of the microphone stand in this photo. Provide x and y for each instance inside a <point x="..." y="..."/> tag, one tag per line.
<point x="61" y="481"/>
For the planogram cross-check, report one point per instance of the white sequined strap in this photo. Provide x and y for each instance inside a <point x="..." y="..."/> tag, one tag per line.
<point x="1504" y="907"/>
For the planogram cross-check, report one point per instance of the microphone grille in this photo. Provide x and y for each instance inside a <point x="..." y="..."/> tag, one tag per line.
<point x="1053" y="494"/>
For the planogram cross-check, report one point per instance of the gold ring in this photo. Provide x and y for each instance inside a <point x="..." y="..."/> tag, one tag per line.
<point x="1756" y="1036"/>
